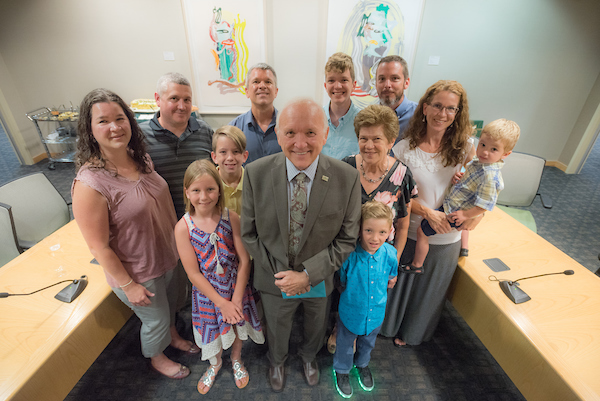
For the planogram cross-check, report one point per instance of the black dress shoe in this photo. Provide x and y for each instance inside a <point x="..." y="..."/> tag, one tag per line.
<point x="311" y="372"/>
<point x="277" y="378"/>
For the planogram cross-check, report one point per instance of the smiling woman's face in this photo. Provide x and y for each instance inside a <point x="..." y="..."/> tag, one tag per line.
<point x="373" y="144"/>
<point x="439" y="120"/>
<point x="110" y="126"/>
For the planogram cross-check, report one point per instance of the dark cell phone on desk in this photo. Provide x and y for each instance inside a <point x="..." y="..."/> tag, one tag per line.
<point x="496" y="265"/>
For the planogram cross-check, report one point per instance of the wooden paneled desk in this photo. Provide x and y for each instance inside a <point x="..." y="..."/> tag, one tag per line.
<point x="549" y="346"/>
<point x="47" y="345"/>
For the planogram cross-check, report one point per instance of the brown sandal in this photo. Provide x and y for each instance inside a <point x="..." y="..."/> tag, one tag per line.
<point x="331" y="340"/>
<point x="182" y="373"/>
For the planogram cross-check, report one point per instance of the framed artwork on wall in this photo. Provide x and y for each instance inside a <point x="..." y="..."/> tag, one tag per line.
<point x="225" y="38"/>
<point x="368" y="30"/>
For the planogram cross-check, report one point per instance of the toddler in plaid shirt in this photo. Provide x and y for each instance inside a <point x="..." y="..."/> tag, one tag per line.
<point x="477" y="190"/>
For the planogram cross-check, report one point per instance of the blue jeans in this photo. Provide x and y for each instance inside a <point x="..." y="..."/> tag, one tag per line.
<point x="344" y="357"/>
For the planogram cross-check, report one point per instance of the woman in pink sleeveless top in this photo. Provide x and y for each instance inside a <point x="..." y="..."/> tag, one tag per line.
<point x="126" y="215"/>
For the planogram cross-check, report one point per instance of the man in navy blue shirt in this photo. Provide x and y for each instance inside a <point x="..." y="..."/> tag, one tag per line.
<point x="391" y="82"/>
<point x="258" y="124"/>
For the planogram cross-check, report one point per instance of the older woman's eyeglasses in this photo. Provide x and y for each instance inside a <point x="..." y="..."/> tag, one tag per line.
<point x="449" y="110"/>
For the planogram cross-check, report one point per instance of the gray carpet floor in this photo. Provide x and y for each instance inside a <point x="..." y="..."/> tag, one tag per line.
<point x="454" y="365"/>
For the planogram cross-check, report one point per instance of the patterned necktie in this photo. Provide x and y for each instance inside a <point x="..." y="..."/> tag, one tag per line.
<point x="297" y="215"/>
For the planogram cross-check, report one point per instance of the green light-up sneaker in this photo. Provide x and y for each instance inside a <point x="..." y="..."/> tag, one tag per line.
<point x="342" y="384"/>
<point x="365" y="379"/>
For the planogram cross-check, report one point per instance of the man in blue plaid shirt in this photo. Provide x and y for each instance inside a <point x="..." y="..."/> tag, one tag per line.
<point x="477" y="190"/>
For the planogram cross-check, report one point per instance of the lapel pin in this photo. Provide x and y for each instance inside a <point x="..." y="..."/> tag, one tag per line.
<point x="325" y="178"/>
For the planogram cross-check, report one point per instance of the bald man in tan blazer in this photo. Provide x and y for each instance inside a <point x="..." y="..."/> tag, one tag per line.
<point x="329" y="234"/>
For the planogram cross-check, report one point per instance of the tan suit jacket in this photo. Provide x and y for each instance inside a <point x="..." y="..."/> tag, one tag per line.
<point x="330" y="231"/>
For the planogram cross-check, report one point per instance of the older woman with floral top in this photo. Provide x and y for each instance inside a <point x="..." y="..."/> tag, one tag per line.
<point x="382" y="177"/>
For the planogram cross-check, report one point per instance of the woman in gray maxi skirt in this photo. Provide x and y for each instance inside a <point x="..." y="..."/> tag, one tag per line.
<point x="436" y="145"/>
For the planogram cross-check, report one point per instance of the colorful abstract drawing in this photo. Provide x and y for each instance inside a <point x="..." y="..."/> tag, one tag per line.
<point x="374" y="29"/>
<point x="225" y="37"/>
<point x="230" y="51"/>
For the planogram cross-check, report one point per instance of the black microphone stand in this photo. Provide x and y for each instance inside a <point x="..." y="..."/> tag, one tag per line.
<point x="517" y="295"/>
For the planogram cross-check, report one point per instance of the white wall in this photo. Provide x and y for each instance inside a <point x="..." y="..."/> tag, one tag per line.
<point x="12" y="109"/>
<point x="584" y="132"/>
<point x="57" y="51"/>
<point x="533" y="61"/>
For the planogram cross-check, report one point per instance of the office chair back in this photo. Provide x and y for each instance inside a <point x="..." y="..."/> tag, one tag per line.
<point x="38" y="208"/>
<point x="8" y="236"/>
<point x="522" y="174"/>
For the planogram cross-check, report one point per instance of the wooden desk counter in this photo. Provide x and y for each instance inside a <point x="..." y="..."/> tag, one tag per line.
<point x="549" y="346"/>
<point x="46" y="344"/>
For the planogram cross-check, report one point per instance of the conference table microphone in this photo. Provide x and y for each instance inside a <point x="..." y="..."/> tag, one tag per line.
<point x="517" y="295"/>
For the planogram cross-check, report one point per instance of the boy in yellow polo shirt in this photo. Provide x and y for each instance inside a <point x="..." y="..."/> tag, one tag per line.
<point x="229" y="154"/>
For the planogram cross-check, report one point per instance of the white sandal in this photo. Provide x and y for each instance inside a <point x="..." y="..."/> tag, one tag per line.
<point x="208" y="378"/>
<point x="239" y="372"/>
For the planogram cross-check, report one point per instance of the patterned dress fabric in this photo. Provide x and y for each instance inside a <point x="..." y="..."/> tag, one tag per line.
<point x="215" y="252"/>
<point x="396" y="190"/>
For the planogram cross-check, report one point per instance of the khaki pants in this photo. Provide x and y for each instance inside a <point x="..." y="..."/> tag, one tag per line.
<point x="157" y="317"/>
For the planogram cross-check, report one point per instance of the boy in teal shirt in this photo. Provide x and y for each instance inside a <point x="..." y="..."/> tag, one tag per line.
<point x="365" y="276"/>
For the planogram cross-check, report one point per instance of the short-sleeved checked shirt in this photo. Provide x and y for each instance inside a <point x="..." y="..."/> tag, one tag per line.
<point x="479" y="186"/>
